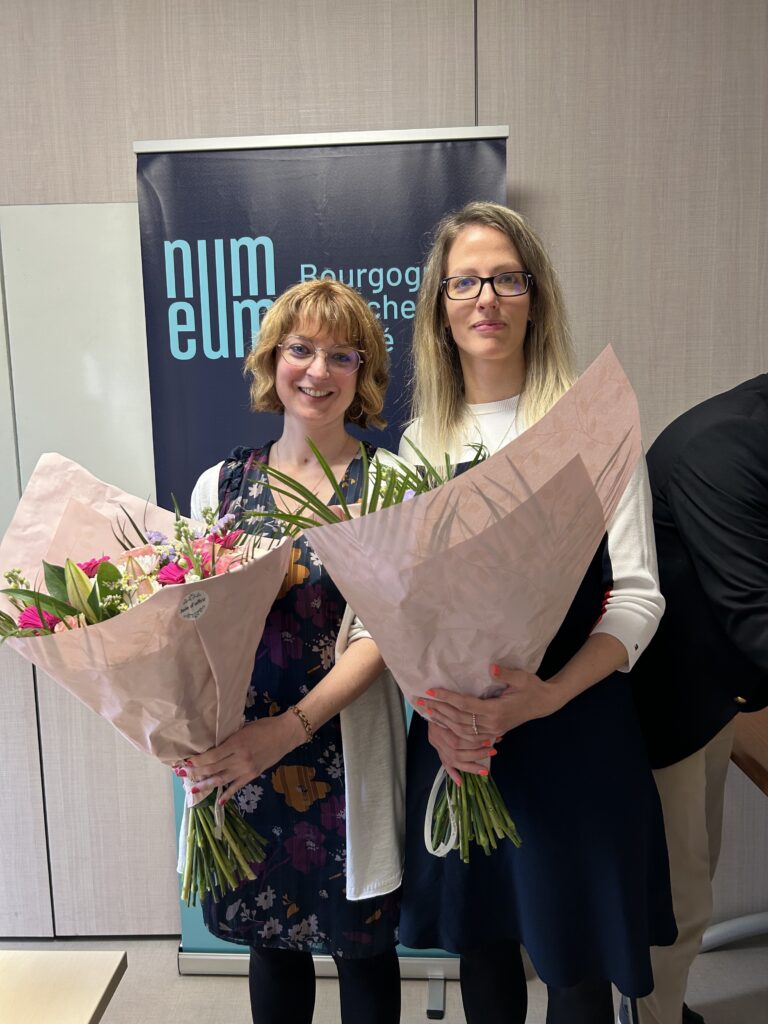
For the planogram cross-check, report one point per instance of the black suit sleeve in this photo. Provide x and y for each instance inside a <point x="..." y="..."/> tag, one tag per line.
<point x="718" y="498"/>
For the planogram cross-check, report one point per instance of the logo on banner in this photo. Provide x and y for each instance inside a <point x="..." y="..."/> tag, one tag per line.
<point x="218" y="293"/>
<point x="196" y="324"/>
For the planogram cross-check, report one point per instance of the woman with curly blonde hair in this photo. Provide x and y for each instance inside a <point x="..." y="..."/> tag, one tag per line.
<point x="330" y="881"/>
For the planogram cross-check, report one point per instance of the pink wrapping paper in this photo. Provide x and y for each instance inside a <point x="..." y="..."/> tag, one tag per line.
<point x="484" y="568"/>
<point x="171" y="674"/>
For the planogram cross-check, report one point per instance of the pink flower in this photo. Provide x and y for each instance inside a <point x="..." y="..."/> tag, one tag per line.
<point x="225" y="560"/>
<point x="229" y="539"/>
<point x="69" y="622"/>
<point x="90" y="567"/>
<point x="171" y="573"/>
<point x="30" y="619"/>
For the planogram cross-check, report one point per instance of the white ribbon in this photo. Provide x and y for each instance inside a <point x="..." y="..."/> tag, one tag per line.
<point x="450" y="844"/>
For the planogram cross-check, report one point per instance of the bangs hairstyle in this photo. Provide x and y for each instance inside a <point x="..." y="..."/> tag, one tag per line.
<point x="332" y="306"/>
<point x="438" y="383"/>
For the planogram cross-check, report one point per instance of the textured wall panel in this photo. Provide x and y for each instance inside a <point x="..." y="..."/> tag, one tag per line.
<point x="25" y="896"/>
<point x="78" y="355"/>
<point x="25" y="902"/>
<point x="82" y="80"/>
<point x="110" y="823"/>
<point x="639" y="148"/>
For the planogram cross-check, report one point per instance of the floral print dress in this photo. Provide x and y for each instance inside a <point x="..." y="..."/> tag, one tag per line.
<point x="298" y="900"/>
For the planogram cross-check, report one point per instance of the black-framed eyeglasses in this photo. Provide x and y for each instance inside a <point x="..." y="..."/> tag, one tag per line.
<point x="302" y="352"/>
<point x="468" y="286"/>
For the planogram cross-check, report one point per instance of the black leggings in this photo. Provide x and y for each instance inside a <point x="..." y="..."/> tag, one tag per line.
<point x="282" y="987"/>
<point x="494" y="991"/>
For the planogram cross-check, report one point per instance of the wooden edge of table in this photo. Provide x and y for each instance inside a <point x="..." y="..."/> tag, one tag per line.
<point x="109" y="991"/>
<point x="30" y="980"/>
<point x="750" y="746"/>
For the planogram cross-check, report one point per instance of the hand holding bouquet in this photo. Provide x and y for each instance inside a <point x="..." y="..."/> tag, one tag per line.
<point x="151" y="636"/>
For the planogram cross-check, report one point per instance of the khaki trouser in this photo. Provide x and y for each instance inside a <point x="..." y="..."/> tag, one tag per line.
<point x="691" y="794"/>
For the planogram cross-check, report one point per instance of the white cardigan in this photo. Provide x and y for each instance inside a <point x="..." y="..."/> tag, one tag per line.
<point x="373" y="741"/>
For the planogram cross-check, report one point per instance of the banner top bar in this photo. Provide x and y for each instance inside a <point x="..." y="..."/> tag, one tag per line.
<point x="323" y="139"/>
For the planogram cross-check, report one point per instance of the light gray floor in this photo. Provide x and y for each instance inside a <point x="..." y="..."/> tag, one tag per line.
<point x="729" y="986"/>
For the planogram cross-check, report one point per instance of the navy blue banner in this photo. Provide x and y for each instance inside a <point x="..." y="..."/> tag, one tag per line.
<point x="223" y="233"/>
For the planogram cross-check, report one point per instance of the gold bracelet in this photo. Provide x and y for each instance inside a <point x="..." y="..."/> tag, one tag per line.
<point x="304" y="721"/>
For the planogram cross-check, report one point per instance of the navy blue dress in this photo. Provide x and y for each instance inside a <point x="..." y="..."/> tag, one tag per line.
<point x="588" y="891"/>
<point x="298" y="900"/>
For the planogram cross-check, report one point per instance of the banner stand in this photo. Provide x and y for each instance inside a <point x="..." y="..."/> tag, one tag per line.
<point x="226" y="225"/>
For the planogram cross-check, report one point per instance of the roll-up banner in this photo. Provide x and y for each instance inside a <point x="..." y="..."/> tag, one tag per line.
<point x="228" y="224"/>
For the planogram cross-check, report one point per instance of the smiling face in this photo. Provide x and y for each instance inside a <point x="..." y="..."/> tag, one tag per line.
<point x="489" y="327"/>
<point x="313" y="393"/>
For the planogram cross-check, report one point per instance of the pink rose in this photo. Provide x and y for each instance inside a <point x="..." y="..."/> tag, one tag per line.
<point x="30" y="619"/>
<point x="171" y="573"/>
<point x="90" y="567"/>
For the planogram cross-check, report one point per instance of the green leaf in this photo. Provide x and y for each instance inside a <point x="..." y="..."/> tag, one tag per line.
<point x="329" y="473"/>
<point x="364" y="467"/>
<point x="108" y="572"/>
<point x="79" y="589"/>
<point x="139" y="534"/>
<point x="45" y="601"/>
<point x="55" y="582"/>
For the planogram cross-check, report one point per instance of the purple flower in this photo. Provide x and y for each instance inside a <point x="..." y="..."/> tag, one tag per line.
<point x="156" y="537"/>
<point x="333" y="814"/>
<point x="309" y="604"/>
<point x="409" y="494"/>
<point x="224" y="523"/>
<point x="305" y="847"/>
<point x="280" y="641"/>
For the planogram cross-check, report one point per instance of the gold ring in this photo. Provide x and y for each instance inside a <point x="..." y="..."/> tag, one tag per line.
<point x="474" y="724"/>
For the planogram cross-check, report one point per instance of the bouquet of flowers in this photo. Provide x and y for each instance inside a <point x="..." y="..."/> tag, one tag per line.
<point x="482" y="568"/>
<point x="149" y="635"/>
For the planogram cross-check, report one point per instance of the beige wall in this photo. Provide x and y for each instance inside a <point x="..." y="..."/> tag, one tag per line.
<point x="638" y="146"/>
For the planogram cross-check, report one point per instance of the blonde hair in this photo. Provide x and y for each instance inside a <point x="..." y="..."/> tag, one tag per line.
<point x="332" y="306"/>
<point x="438" y="383"/>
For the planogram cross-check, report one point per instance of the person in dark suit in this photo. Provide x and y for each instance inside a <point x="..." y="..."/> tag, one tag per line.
<point x="709" y="659"/>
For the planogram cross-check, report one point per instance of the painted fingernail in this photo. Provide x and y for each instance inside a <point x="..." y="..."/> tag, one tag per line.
<point x="194" y="790"/>
<point x="430" y="693"/>
<point x="188" y="763"/>
<point x="222" y="801"/>
<point x="180" y="773"/>
<point x="483" y="771"/>
<point x="498" y="739"/>
<point x="430" y="711"/>
<point x="420" y="702"/>
<point x="486" y="743"/>
<point x="491" y="752"/>
<point x="495" y="671"/>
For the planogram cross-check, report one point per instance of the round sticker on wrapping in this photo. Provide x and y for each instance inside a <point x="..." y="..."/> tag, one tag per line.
<point x="194" y="605"/>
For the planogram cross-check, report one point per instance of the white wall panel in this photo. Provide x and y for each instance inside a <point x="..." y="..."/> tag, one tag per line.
<point x="78" y="356"/>
<point x="77" y="339"/>
<point x="25" y="902"/>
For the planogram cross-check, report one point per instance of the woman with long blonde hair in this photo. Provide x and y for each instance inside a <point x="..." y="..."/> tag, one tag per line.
<point x="588" y="891"/>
